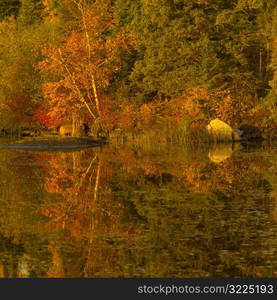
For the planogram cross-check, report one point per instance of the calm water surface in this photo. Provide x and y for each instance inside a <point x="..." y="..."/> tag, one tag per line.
<point x="132" y="211"/>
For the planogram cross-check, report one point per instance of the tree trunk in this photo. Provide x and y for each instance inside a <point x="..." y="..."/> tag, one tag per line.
<point x="77" y="126"/>
<point x="95" y="96"/>
<point x="73" y="126"/>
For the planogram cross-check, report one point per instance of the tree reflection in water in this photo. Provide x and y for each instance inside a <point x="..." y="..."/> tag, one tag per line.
<point x="135" y="212"/>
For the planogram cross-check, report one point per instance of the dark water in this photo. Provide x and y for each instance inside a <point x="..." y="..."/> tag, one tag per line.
<point x="133" y="211"/>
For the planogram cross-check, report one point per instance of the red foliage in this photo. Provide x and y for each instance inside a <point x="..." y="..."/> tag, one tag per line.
<point x="42" y="117"/>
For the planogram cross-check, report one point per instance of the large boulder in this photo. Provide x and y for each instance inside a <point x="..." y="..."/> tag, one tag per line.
<point x="221" y="132"/>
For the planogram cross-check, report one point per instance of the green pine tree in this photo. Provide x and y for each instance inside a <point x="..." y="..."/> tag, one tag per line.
<point x="9" y="8"/>
<point x="31" y="12"/>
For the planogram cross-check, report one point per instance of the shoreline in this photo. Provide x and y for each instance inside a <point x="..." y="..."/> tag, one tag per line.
<point x="50" y="143"/>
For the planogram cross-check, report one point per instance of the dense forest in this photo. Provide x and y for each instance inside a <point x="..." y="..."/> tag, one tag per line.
<point x="140" y="66"/>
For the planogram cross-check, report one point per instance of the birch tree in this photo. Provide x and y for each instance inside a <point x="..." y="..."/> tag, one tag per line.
<point x="81" y="67"/>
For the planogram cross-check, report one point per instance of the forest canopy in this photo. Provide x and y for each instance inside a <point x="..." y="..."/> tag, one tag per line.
<point x="138" y="65"/>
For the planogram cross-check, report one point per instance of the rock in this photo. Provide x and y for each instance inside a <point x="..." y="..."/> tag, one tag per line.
<point x="222" y="132"/>
<point x="65" y="129"/>
<point x="251" y="133"/>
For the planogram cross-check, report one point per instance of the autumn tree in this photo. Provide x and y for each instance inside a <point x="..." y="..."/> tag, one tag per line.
<point x="19" y="81"/>
<point x="80" y="68"/>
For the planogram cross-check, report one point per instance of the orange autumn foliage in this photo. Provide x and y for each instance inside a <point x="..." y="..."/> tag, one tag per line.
<point x="80" y="69"/>
<point x="196" y="107"/>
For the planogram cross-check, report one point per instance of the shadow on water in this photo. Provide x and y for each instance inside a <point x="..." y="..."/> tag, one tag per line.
<point x="134" y="212"/>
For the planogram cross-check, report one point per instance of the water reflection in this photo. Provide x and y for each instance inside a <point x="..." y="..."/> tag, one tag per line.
<point x="139" y="212"/>
<point x="220" y="152"/>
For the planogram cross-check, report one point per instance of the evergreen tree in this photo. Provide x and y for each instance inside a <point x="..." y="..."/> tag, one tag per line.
<point x="9" y="8"/>
<point x="30" y="12"/>
<point x="176" y="45"/>
<point x="244" y="35"/>
<point x="220" y="44"/>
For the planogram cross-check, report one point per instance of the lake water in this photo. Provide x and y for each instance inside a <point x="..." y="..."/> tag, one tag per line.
<point x="139" y="211"/>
